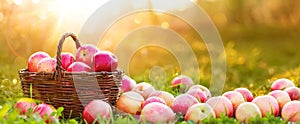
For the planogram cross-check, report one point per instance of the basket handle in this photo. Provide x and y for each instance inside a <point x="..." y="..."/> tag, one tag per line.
<point x="59" y="69"/>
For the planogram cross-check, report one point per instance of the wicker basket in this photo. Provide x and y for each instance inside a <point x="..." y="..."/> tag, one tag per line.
<point x="71" y="90"/>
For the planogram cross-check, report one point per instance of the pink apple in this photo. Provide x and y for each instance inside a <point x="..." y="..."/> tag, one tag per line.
<point x="282" y="97"/>
<point x="145" y="89"/>
<point x="127" y="84"/>
<point x="66" y="60"/>
<point x="246" y="94"/>
<point x="294" y="93"/>
<point x="221" y="105"/>
<point x="105" y="61"/>
<point x="183" y="82"/>
<point x="96" y="109"/>
<point x="198" y="94"/>
<point x="199" y="112"/>
<point x="85" y="53"/>
<point x="281" y="84"/>
<point x="45" y="110"/>
<point x="157" y="113"/>
<point x="78" y="67"/>
<point x="46" y="65"/>
<point x="291" y="111"/>
<point x="166" y="96"/>
<point x="130" y="102"/>
<point x="245" y="111"/>
<point x="34" y="59"/>
<point x="267" y="104"/>
<point x="182" y="103"/>
<point x="153" y="99"/>
<point x="235" y="97"/>
<point x="24" y="104"/>
<point x="203" y="88"/>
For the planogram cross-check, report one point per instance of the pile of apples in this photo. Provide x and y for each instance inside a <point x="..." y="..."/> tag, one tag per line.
<point x="197" y="104"/>
<point x="27" y="105"/>
<point x="88" y="58"/>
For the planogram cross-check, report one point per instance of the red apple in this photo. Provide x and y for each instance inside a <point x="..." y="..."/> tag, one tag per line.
<point x="79" y="67"/>
<point x="182" y="103"/>
<point x="182" y="82"/>
<point x="246" y="94"/>
<point x="130" y="102"/>
<point x="24" y="104"/>
<point x="66" y="59"/>
<point x="281" y="97"/>
<point x="166" y="96"/>
<point x="203" y="88"/>
<point x="199" y="112"/>
<point x="267" y="104"/>
<point x="105" y="61"/>
<point x="221" y="105"/>
<point x="281" y="84"/>
<point x="246" y="111"/>
<point x="85" y="53"/>
<point x="45" y="110"/>
<point x="145" y="89"/>
<point x="291" y="111"/>
<point x="153" y="99"/>
<point x="294" y="93"/>
<point x="127" y="84"/>
<point x="46" y="65"/>
<point x="96" y="109"/>
<point x="34" y="59"/>
<point x="235" y="97"/>
<point x="198" y="94"/>
<point x="157" y="113"/>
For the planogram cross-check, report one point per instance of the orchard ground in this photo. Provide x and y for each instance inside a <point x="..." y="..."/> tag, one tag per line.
<point x="255" y="58"/>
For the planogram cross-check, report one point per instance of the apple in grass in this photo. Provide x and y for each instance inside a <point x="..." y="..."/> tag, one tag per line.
<point x="130" y="102"/>
<point x="282" y="97"/>
<point x="203" y="88"/>
<point x="246" y="94"/>
<point x="153" y="99"/>
<point x="85" y="53"/>
<point x="79" y="67"/>
<point x="247" y="110"/>
<point x="145" y="89"/>
<point x="46" y="65"/>
<point x="294" y="93"/>
<point x="45" y="111"/>
<point x="267" y="104"/>
<point x="235" y="97"/>
<point x="157" y="113"/>
<point x="34" y="59"/>
<point x="96" y="109"/>
<point x="182" y="103"/>
<point x="166" y="96"/>
<point x="199" y="112"/>
<point x="221" y="105"/>
<point x="182" y="82"/>
<point x="291" y="111"/>
<point x="66" y="60"/>
<point x="24" y="104"/>
<point x="127" y="84"/>
<point x="105" y="61"/>
<point x="281" y="84"/>
<point x="198" y="94"/>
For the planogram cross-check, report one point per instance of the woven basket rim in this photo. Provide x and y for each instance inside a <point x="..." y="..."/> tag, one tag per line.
<point x="117" y="72"/>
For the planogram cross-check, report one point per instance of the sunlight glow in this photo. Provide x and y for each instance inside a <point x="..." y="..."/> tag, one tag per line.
<point x="35" y="1"/>
<point x="18" y="2"/>
<point x="73" y="13"/>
